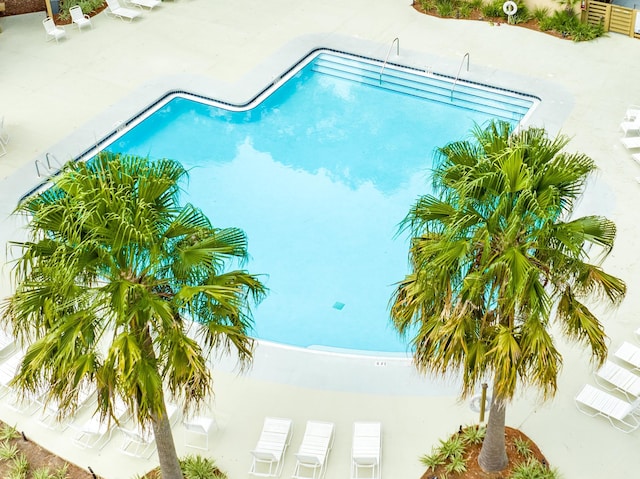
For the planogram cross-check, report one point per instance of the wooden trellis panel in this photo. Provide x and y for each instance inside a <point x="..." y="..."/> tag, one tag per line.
<point x="613" y="18"/>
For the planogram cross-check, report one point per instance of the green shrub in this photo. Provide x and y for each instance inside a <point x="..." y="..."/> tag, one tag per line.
<point x="88" y="6"/>
<point x="583" y="32"/>
<point x="474" y="434"/>
<point x="8" y="451"/>
<point x="19" y="467"/>
<point x="532" y="469"/>
<point x="433" y="460"/>
<point x="198" y="467"/>
<point x="61" y="472"/>
<point x="8" y="432"/>
<point x="42" y="473"/>
<point x="540" y="13"/>
<point x="452" y="447"/>
<point x="523" y="447"/>
<point x="493" y="9"/>
<point x="444" y="8"/>
<point x="464" y="10"/>
<point x="563" y="21"/>
<point x="457" y="465"/>
<point x="428" y="5"/>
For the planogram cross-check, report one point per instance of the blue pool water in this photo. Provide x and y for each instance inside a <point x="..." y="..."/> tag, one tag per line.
<point x="319" y="175"/>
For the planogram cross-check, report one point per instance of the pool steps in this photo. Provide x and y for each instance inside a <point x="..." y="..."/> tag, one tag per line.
<point x="498" y="103"/>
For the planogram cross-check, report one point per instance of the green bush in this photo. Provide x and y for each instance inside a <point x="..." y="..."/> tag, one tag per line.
<point x="433" y="460"/>
<point x="428" y="5"/>
<point x="568" y="24"/>
<point x="584" y="32"/>
<point x="198" y="467"/>
<point x="523" y="447"/>
<point x="8" y="451"/>
<point x="19" y="467"/>
<point x="540" y="13"/>
<point x="8" y="432"/>
<point x="493" y="9"/>
<point x="532" y="469"/>
<point x="464" y="10"/>
<point x="444" y="8"/>
<point x="474" y="434"/>
<point x="88" y="6"/>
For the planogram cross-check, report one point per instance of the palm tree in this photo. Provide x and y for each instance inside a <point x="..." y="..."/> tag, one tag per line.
<point x="121" y="287"/>
<point x="497" y="262"/>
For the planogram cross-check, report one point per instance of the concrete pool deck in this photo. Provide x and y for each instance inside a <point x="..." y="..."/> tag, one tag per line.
<point x="55" y="96"/>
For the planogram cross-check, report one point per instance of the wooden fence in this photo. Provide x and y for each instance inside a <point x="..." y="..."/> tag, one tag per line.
<point x="614" y="18"/>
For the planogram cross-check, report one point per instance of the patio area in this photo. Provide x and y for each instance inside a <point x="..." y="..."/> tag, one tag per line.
<point x="59" y="99"/>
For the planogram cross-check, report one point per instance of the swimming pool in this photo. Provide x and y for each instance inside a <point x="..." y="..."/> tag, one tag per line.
<point x="319" y="171"/>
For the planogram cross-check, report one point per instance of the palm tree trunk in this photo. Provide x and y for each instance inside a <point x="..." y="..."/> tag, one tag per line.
<point x="493" y="455"/>
<point x="169" y="464"/>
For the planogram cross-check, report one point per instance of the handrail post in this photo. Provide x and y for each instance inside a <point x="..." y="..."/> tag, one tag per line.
<point x="397" y="42"/>
<point x="466" y="56"/>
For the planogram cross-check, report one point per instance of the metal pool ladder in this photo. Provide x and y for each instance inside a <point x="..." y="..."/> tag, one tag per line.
<point x="453" y="87"/>
<point x="395" y="41"/>
<point x="47" y="157"/>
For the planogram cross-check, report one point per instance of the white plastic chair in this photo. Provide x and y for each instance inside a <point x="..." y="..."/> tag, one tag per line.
<point x="197" y="427"/>
<point x="620" y="413"/>
<point x="366" y="450"/>
<point x="52" y="30"/>
<point x="79" y="18"/>
<point x="268" y="455"/>
<point x="314" y="450"/>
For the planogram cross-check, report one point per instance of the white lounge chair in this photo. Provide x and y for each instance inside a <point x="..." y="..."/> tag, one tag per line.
<point x="311" y="458"/>
<point x="95" y="433"/>
<point x="52" y="30"/>
<point x="198" y="426"/>
<point x="7" y="343"/>
<point x="636" y="158"/>
<point x="612" y="376"/>
<point x="633" y="111"/>
<point x="79" y="18"/>
<point x="633" y="125"/>
<point x="8" y="370"/>
<point x="630" y="354"/>
<point x="148" y="4"/>
<point x="620" y="413"/>
<point x="122" y="13"/>
<point x="268" y="455"/>
<point x="366" y="450"/>
<point x="631" y="142"/>
<point x="49" y="416"/>
<point x="137" y="442"/>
